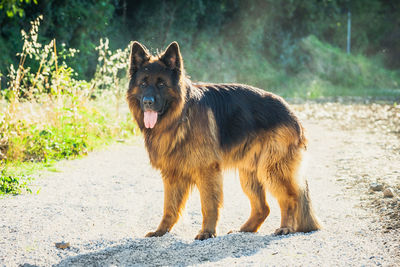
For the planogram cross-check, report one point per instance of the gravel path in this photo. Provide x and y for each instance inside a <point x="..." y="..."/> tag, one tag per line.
<point x="104" y="204"/>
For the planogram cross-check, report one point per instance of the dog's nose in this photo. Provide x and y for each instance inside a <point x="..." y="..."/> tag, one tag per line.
<point x="148" y="101"/>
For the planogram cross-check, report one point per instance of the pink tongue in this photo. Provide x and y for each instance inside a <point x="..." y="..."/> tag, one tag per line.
<point x="150" y="118"/>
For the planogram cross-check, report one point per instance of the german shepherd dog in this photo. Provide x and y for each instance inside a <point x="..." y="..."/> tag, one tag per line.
<point x="194" y="131"/>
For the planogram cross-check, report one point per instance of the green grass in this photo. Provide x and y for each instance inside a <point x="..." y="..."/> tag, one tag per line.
<point x="311" y="69"/>
<point x="16" y="176"/>
<point x="327" y="71"/>
<point x="47" y="114"/>
<point x="314" y="88"/>
<point x="36" y="140"/>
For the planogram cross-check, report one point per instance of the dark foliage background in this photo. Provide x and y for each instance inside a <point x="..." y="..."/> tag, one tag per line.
<point x="214" y="35"/>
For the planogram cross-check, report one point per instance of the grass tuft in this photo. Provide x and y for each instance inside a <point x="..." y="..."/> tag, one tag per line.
<point x="46" y="114"/>
<point x="13" y="184"/>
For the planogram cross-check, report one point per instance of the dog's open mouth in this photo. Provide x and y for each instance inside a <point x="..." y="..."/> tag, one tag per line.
<point x="150" y="118"/>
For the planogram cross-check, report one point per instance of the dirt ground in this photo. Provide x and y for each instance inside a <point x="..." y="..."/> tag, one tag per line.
<point x="372" y="150"/>
<point x="104" y="204"/>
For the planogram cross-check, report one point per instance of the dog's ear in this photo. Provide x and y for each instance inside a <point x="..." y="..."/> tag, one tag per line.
<point x="172" y="57"/>
<point x="139" y="55"/>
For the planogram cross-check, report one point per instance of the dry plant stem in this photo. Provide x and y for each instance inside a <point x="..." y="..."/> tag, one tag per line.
<point x="118" y="97"/>
<point x="55" y="54"/>
<point x="20" y="68"/>
<point x="36" y="76"/>
<point x="56" y="63"/>
<point x="40" y="68"/>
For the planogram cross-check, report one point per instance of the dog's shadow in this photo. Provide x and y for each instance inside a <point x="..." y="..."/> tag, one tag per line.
<point x="171" y="250"/>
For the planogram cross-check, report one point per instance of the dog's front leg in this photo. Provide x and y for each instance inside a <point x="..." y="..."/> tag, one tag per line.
<point x="176" y="192"/>
<point x="209" y="183"/>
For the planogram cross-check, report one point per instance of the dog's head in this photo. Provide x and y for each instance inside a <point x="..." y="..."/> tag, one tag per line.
<point x="156" y="83"/>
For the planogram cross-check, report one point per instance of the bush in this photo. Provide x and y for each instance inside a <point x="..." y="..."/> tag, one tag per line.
<point x="11" y="184"/>
<point x="317" y="69"/>
<point x="340" y="69"/>
<point x="48" y="114"/>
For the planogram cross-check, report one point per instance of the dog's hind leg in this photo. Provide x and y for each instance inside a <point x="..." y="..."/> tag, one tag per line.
<point x="255" y="191"/>
<point x="292" y="194"/>
<point x="288" y="203"/>
<point x="280" y="174"/>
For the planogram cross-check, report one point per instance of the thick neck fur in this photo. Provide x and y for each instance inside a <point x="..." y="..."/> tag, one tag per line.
<point x="164" y="137"/>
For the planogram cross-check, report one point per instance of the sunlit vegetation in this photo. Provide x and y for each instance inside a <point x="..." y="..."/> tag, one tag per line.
<point x="63" y="63"/>
<point x="48" y="114"/>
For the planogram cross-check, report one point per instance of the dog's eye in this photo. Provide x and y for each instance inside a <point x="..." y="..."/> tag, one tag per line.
<point x="143" y="84"/>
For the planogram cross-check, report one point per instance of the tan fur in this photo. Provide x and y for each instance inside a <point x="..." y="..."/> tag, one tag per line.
<point x="271" y="163"/>
<point x="185" y="147"/>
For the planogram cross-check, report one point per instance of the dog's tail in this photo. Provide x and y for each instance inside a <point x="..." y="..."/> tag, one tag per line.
<point x="306" y="219"/>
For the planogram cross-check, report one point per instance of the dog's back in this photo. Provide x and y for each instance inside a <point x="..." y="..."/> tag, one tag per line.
<point x="194" y="131"/>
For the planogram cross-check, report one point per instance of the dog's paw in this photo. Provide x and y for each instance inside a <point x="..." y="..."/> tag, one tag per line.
<point x="283" y="231"/>
<point x="156" y="233"/>
<point x="205" y="235"/>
